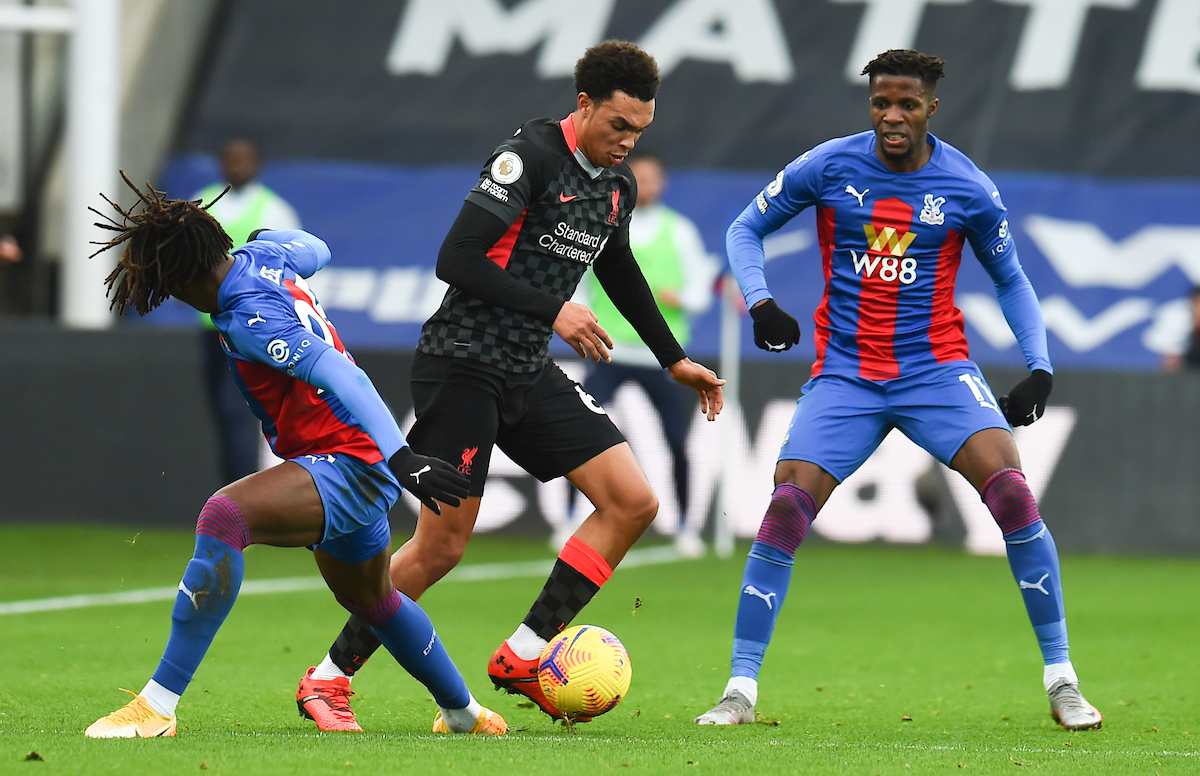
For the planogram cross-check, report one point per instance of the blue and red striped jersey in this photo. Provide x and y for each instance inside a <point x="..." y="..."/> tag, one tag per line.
<point x="274" y="330"/>
<point x="891" y="244"/>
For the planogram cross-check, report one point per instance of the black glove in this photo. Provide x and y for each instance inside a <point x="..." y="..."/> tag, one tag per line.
<point x="1026" y="402"/>
<point x="429" y="478"/>
<point x="774" y="330"/>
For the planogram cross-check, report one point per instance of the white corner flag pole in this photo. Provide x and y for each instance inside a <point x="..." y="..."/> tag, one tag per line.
<point x="731" y="365"/>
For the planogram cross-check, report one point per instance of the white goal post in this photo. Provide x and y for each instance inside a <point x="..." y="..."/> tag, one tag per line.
<point x="92" y="132"/>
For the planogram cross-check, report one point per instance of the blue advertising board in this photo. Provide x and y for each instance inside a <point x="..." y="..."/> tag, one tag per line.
<point x="1112" y="260"/>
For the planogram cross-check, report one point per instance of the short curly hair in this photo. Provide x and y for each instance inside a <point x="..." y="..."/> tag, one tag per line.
<point x="616" y="66"/>
<point x="907" y="62"/>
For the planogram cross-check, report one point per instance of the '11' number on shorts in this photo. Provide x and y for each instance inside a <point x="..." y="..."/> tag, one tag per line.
<point x="980" y="390"/>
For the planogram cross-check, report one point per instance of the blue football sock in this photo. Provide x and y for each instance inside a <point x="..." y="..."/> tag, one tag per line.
<point x="209" y="587"/>
<point x="1033" y="559"/>
<point x="764" y="586"/>
<point x="409" y="635"/>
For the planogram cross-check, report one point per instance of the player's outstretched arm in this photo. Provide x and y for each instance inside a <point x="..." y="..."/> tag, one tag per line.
<point x="704" y="381"/>
<point x="429" y="479"/>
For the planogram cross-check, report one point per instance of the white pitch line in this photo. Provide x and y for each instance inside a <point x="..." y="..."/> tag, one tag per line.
<point x="475" y="573"/>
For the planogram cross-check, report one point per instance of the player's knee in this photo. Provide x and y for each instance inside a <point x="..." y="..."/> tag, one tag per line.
<point x="1009" y="499"/>
<point x="445" y="556"/>
<point x="222" y="519"/>
<point x="643" y="507"/>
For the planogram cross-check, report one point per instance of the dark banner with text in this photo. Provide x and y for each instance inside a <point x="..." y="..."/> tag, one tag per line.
<point x="1108" y="87"/>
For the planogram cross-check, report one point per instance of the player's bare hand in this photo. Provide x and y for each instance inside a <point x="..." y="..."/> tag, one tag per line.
<point x="704" y="381"/>
<point x="580" y="329"/>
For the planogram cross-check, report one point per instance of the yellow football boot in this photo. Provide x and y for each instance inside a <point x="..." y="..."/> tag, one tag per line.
<point x="488" y="723"/>
<point x="133" y="720"/>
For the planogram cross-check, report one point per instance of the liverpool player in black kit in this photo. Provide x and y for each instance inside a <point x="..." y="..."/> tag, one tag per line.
<point x="551" y="201"/>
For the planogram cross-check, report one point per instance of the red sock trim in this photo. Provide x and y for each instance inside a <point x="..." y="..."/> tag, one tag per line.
<point x="586" y="561"/>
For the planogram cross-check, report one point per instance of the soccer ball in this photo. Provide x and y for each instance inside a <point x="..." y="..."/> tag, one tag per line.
<point x="584" y="671"/>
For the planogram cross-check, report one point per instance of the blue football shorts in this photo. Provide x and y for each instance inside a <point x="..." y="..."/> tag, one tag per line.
<point x="356" y="497"/>
<point x="839" y="420"/>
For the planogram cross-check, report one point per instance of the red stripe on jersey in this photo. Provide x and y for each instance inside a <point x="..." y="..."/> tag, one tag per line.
<point x="947" y="339"/>
<point x="877" y="298"/>
<point x="502" y="251"/>
<point x="825" y="223"/>
<point x="300" y="295"/>
<point x="568" y="130"/>
<point x="304" y="422"/>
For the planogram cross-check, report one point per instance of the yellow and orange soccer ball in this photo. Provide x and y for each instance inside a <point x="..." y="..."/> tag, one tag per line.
<point x="584" y="671"/>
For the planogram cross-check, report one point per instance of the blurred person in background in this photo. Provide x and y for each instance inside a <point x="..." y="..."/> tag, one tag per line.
<point x="246" y="206"/>
<point x="1190" y="357"/>
<point x="680" y="272"/>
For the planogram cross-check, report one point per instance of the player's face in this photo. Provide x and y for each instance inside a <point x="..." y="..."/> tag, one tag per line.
<point x="609" y="130"/>
<point x="900" y="111"/>
<point x="239" y="163"/>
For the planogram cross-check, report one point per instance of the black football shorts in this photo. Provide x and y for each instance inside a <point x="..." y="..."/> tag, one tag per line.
<point x="543" y="421"/>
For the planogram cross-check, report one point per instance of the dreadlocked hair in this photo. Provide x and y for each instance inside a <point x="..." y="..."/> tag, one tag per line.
<point x="169" y="243"/>
<point x="926" y="67"/>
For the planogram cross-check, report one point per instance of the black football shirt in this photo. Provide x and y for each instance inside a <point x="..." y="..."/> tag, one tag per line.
<point x="562" y="213"/>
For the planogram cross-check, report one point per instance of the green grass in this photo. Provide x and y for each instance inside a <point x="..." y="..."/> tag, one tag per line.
<point x="885" y="660"/>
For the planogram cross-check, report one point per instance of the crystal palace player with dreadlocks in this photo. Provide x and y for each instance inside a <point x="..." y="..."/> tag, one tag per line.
<point x="894" y="207"/>
<point x="552" y="200"/>
<point x="346" y="457"/>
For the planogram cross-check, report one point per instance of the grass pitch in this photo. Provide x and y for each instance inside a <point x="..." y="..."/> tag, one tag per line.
<point x="885" y="661"/>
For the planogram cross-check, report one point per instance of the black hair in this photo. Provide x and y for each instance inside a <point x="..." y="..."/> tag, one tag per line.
<point x="616" y="66"/>
<point x="169" y="243"/>
<point x="907" y="62"/>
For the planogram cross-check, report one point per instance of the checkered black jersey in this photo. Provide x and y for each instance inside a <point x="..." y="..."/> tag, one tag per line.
<point x="562" y="213"/>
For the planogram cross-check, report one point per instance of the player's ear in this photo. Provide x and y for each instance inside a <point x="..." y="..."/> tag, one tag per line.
<point x="933" y="106"/>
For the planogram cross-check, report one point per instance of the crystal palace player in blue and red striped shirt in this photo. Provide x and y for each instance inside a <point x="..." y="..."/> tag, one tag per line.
<point x="894" y="208"/>
<point x="346" y="457"/>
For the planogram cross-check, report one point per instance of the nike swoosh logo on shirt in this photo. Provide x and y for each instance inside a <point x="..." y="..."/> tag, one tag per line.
<point x="565" y="198"/>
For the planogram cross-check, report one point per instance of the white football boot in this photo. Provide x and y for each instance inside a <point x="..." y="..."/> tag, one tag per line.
<point x="734" y="709"/>
<point x="1071" y="709"/>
